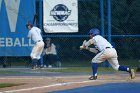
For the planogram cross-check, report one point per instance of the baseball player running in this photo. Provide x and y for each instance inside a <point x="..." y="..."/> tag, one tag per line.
<point x="106" y="52"/>
<point x="35" y="34"/>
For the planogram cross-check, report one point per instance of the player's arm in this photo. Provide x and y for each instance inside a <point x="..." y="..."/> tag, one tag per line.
<point x="29" y="36"/>
<point x="86" y="44"/>
<point x="93" y="50"/>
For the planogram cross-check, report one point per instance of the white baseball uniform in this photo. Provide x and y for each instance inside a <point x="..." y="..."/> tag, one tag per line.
<point x="35" y="35"/>
<point x="107" y="52"/>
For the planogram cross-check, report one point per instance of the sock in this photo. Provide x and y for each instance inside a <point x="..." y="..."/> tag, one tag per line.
<point x="40" y="62"/>
<point x="35" y="62"/>
<point x="94" y="68"/>
<point x="123" y="68"/>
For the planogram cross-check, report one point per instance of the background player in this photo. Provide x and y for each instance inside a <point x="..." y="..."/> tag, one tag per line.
<point x="107" y="52"/>
<point x="35" y="34"/>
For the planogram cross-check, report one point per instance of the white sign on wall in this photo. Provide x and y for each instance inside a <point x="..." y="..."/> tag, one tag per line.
<point x="60" y="16"/>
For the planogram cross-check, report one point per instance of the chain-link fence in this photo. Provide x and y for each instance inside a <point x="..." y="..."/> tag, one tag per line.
<point x="70" y="55"/>
<point x="125" y="34"/>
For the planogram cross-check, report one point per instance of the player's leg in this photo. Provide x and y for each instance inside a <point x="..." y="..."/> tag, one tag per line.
<point x="35" y="61"/>
<point x="131" y="71"/>
<point x="100" y="57"/>
<point x="33" y="57"/>
<point x="94" y="71"/>
<point x="36" y="53"/>
<point x="113" y="60"/>
<point x="39" y="49"/>
<point x="115" y="64"/>
<point x="41" y="62"/>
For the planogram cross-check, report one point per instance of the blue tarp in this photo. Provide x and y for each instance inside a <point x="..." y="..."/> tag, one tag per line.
<point x="14" y="15"/>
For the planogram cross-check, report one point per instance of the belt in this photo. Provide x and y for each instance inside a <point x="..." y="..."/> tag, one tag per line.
<point x="107" y="47"/>
<point x="38" y="41"/>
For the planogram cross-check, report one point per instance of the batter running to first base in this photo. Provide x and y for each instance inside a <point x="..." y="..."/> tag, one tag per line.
<point x="35" y="34"/>
<point x="106" y="52"/>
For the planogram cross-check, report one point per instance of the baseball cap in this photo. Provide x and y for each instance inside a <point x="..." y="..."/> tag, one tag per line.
<point x="29" y="23"/>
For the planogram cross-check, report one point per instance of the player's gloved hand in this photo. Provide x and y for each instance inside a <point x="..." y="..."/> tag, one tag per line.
<point x="84" y="47"/>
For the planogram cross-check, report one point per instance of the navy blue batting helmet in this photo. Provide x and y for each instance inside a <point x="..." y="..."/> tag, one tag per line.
<point x="94" y="31"/>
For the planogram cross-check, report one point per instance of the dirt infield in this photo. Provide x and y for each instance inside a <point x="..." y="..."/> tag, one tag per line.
<point x="44" y="84"/>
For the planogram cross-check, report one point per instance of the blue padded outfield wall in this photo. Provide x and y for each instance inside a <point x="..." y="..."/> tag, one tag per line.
<point x="14" y="15"/>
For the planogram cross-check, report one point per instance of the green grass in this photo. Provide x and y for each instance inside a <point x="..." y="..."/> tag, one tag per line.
<point x="3" y="85"/>
<point x="11" y="72"/>
<point x="81" y="69"/>
<point x="87" y="63"/>
<point x="130" y="62"/>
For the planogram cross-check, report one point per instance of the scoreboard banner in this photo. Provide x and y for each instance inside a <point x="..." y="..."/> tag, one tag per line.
<point x="14" y="15"/>
<point x="60" y="16"/>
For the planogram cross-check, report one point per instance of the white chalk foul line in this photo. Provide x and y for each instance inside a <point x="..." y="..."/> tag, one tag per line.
<point x="28" y="78"/>
<point x="20" y="78"/>
<point x="54" y="85"/>
<point x="33" y="88"/>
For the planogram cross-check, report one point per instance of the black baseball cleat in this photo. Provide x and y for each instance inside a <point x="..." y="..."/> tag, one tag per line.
<point x="34" y="67"/>
<point x="93" y="78"/>
<point x="132" y="73"/>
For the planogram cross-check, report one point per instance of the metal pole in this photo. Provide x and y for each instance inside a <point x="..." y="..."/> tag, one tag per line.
<point x="109" y="20"/>
<point x="102" y="16"/>
<point x="109" y="23"/>
<point x="40" y="13"/>
<point x="41" y="25"/>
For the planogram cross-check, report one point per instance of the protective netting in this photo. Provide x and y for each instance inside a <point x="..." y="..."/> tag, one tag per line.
<point x="125" y="34"/>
